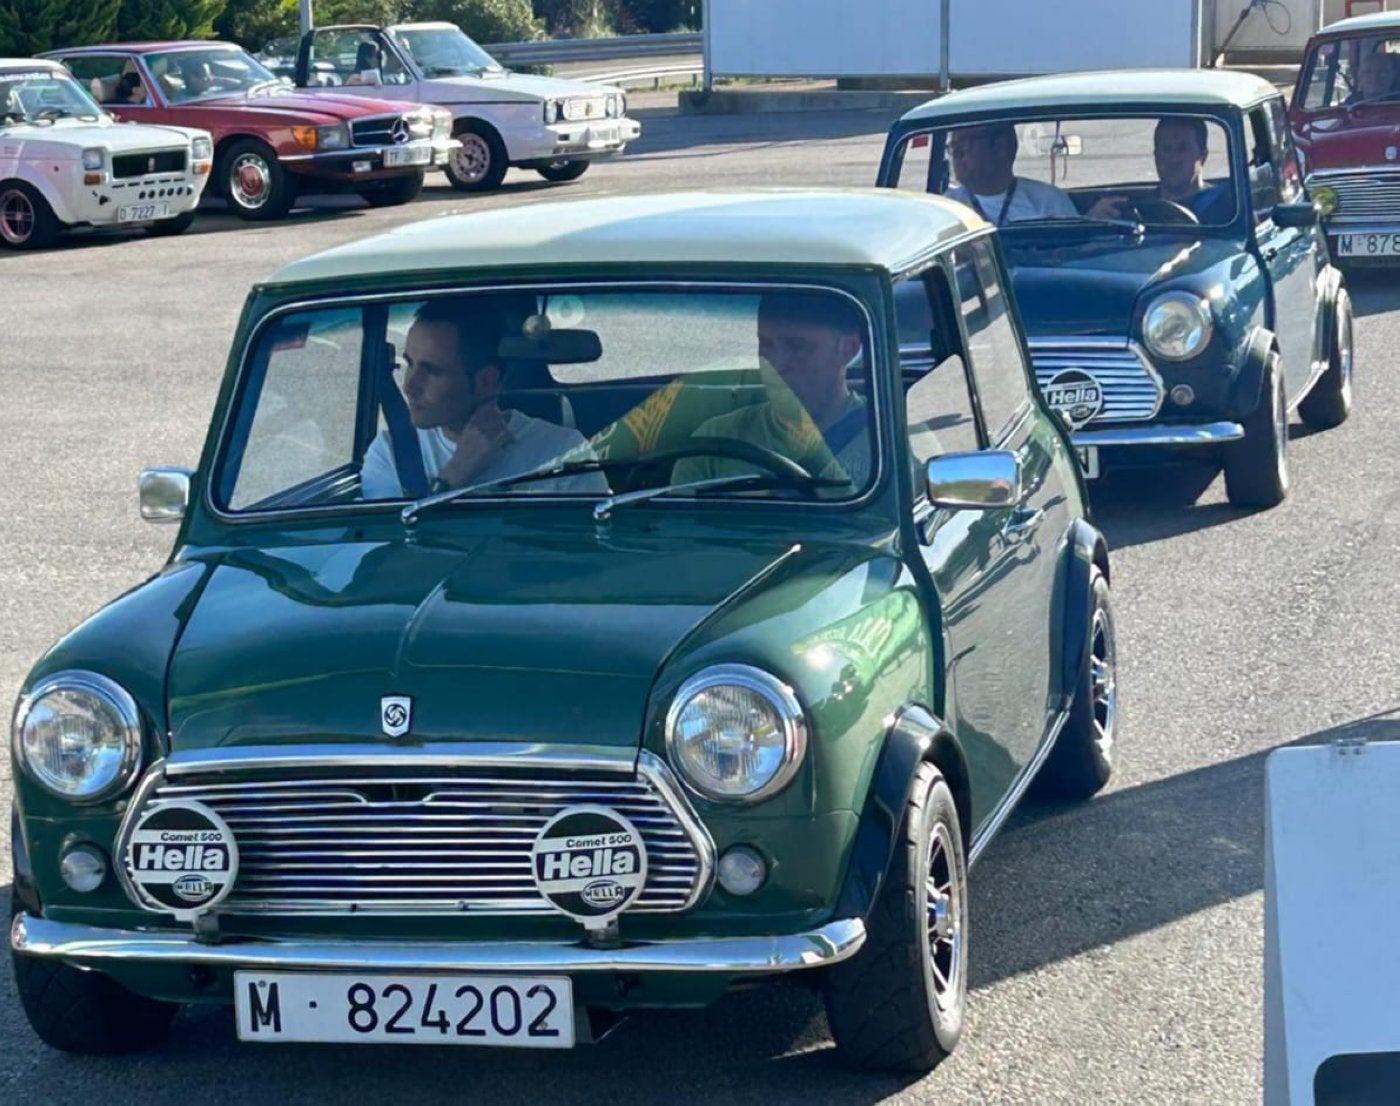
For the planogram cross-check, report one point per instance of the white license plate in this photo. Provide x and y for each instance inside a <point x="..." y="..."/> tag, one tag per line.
<point x="413" y="155"/>
<point x="364" y="1008"/>
<point x="604" y="136"/>
<point x="1368" y="245"/>
<point x="1089" y="461"/>
<point x="140" y="213"/>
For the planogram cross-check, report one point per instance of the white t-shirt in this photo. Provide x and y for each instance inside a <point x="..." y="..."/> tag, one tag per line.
<point x="1032" y="199"/>
<point x="538" y="444"/>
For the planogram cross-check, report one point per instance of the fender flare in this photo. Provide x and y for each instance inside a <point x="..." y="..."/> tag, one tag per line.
<point x="915" y="736"/>
<point x="1249" y="384"/>
<point x="1330" y="286"/>
<point x="1085" y="549"/>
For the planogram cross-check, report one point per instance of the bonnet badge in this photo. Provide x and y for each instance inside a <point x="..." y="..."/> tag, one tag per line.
<point x="395" y="714"/>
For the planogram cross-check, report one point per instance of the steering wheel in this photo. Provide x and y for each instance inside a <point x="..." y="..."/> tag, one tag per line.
<point x="1152" y="209"/>
<point x="770" y="460"/>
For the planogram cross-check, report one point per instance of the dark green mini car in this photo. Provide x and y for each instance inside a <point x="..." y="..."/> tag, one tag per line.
<point x="578" y="608"/>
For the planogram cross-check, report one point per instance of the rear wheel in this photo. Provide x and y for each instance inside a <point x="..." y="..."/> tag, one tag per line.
<point x="27" y="222"/>
<point x="479" y="164"/>
<point x="255" y="183"/>
<point x="560" y="171"/>
<point x="392" y="193"/>
<point x="898" y="1004"/>
<point x="1329" y="402"/>
<point x="1256" y="467"/>
<point x="177" y="225"/>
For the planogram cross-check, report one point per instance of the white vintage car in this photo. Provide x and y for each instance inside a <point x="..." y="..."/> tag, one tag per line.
<point x="555" y="126"/>
<point x="64" y="162"/>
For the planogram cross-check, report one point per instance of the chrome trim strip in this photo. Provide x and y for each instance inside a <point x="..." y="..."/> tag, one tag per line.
<point x="93" y="947"/>
<point x="988" y="829"/>
<point x="1365" y="224"/>
<point x="248" y="758"/>
<point x="1204" y="434"/>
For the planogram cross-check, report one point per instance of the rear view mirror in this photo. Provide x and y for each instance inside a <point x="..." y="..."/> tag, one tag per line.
<point x="554" y="347"/>
<point x="1302" y="214"/>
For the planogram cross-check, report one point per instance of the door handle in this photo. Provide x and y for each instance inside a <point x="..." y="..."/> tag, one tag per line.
<point x="1021" y="524"/>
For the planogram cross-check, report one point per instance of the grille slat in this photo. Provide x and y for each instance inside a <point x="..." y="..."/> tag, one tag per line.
<point x="378" y="130"/>
<point x="410" y="844"/>
<point x="1130" y="391"/>
<point x="1362" y="195"/>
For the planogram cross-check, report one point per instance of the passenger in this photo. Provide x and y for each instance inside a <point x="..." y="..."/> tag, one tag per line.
<point x="198" y="77"/>
<point x="810" y="341"/>
<point x="367" y="65"/>
<point x="130" y="90"/>
<point x="983" y="160"/>
<point x="1375" y="76"/>
<point x="1179" y="149"/>
<point x="452" y="381"/>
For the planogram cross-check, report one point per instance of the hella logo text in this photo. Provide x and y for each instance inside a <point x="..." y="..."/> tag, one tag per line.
<point x="177" y="858"/>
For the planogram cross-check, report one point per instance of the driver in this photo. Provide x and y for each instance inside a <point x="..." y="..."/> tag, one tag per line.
<point x="809" y="340"/>
<point x="452" y="382"/>
<point x="983" y="158"/>
<point x="1375" y="76"/>
<point x="1179" y="149"/>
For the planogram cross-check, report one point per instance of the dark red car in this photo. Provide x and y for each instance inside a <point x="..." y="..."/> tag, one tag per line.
<point x="1346" y="119"/>
<point x="271" y="143"/>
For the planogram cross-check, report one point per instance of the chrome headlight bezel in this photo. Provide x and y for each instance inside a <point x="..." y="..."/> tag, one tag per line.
<point x="112" y="698"/>
<point x="1191" y="310"/>
<point x="94" y="159"/>
<point x="791" y="720"/>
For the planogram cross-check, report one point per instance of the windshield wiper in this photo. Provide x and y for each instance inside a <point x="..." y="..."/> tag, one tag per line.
<point x="53" y="113"/>
<point x="566" y="468"/>
<point x="752" y="481"/>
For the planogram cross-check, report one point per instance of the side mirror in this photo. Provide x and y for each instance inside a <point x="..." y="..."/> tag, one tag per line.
<point x="991" y="478"/>
<point x="1301" y="215"/>
<point x="164" y="493"/>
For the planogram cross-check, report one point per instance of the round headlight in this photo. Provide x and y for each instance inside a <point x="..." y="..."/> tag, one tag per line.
<point x="1326" y="199"/>
<point x="1177" y="326"/>
<point x="736" y="733"/>
<point x="78" y="735"/>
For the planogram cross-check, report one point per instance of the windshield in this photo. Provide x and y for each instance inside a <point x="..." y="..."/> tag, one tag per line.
<point x="1104" y="174"/>
<point x="444" y="51"/>
<point x="187" y="75"/>
<point x="544" y="392"/>
<point x="1350" y="72"/>
<point x="31" y="96"/>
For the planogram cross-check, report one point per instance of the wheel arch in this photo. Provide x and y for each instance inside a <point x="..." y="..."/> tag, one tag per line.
<point x="1084" y="550"/>
<point x="51" y="196"/>
<point x="1254" y="367"/>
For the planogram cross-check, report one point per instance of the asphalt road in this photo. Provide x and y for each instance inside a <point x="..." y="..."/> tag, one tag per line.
<point x="1116" y="947"/>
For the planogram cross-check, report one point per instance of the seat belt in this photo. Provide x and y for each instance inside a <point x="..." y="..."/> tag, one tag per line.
<point x="845" y="430"/>
<point x="403" y="438"/>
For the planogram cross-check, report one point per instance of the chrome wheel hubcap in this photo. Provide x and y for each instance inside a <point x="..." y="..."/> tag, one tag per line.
<point x="943" y="914"/>
<point x="250" y="180"/>
<point x="1103" y="679"/>
<point x="473" y="159"/>
<point x="16" y="217"/>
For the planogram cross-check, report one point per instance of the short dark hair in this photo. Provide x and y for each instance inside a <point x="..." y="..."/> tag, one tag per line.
<point x="480" y="322"/>
<point x="1196" y="126"/>
<point x="810" y="309"/>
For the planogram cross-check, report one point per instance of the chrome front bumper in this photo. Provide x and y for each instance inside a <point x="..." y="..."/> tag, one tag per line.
<point x="1210" y="433"/>
<point x="91" y="947"/>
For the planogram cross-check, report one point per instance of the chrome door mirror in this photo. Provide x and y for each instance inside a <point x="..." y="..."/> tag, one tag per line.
<point x="989" y="478"/>
<point x="164" y="493"/>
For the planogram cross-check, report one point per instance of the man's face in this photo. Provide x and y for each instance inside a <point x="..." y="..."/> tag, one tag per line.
<point x="982" y="159"/>
<point x="1179" y="157"/>
<point x="1374" y="76"/>
<point x="437" y="387"/>
<point x="811" y="359"/>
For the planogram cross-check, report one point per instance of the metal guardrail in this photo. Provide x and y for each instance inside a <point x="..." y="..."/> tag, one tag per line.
<point x="623" y="47"/>
<point x="643" y="74"/>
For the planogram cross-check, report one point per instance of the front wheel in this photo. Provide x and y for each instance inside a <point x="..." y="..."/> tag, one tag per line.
<point x="1256" y="467"/>
<point x="480" y="163"/>
<point x="27" y="222"/>
<point x="254" y="181"/>
<point x="166" y="227"/>
<point x="1328" y="403"/>
<point x="561" y="171"/>
<point x="898" y="1004"/>
<point x="87" y="1012"/>
<point x="392" y="193"/>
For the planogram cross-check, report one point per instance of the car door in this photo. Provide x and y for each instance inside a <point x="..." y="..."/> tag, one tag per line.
<point x="1293" y="256"/>
<point x="967" y="388"/>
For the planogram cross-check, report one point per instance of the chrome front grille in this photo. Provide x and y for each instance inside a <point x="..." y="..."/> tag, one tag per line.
<point x="1131" y="390"/>
<point x="409" y="840"/>
<point x="388" y="130"/>
<point x="1362" y="196"/>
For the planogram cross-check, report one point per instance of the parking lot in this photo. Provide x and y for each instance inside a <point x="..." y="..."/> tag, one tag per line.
<point x="1117" y="948"/>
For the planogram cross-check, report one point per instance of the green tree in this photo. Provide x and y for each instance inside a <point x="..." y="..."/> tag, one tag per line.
<point x="139" y="20"/>
<point x="255" y="23"/>
<point x="661" y="16"/>
<point x="585" y="18"/>
<point x="484" y="20"/>
<point x="30" y="26"/>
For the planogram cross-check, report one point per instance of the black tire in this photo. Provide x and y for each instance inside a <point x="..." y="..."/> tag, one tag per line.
<point x="166" y="227"/>
<point x="886" y="1008"/>
<point x="87" y="1012"/>
<point x="392" y="193"/>
<point x="1256" y="467"/>
<point x="254" y="182"/>
<point x="1081" y="762"/>
<point x="27" y="222"/>
<point x="480" y="164"/>
<point x="1328" y="403"/>
<point x="561" y="171"/>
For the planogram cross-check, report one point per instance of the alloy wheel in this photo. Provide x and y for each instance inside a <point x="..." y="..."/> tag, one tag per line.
<point x="1103" y="679"/>
<point x="17" y="217"/>
<point x="944" y="913"/>
<point x="472" y="161"/>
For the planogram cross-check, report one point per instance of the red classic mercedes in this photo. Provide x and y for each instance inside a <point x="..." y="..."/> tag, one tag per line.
<point x="1346" y="118"/>
<point x="271" y="143"/>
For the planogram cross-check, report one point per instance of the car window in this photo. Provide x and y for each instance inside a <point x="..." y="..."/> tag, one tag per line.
<point x="111" y="79"/>
<point x="343" y="56"/>
<point x="205" y="74"/>
<point x="653" y="388"/>
<point x="916" y="164"/>
<point x="1263" y="177"/>
<point x="1350" y="72"/>
<point x="27" y="95"/>
<point x="938" y="406"/>
<point x="998" y="365"/>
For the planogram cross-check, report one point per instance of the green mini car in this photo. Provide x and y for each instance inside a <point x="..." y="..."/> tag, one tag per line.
<point x="577" y="608"/>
